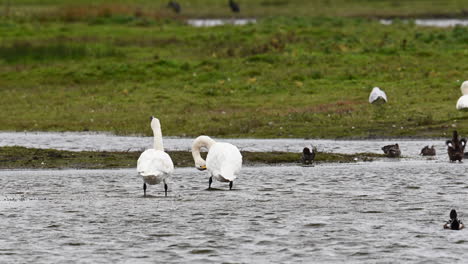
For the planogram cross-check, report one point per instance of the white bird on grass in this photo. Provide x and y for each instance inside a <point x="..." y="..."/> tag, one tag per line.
<point x="377" y="96"/>
<point x="462" y="102"/>
<point x="155" y="165"/>
<point x="223" y="161"/>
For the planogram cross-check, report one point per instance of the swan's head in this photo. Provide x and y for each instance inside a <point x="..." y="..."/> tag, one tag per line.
<point x="200" y="163"/>
<point x="199" y="143"/>
<point x="201" y="166"/>
<point x="155" y="122"/>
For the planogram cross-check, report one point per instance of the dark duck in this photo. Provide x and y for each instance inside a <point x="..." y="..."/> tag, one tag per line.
<point x="234" y="6"/>
<point x="308" y="156"/>
<point x="454" y="223"/>
<point x="455" y="147"/>
<point x="428" y="151"/>
<point x="392" y="151"/>
<point x="174" y="6"/>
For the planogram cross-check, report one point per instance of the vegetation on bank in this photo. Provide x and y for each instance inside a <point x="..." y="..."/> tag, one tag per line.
<point x="90" y="10"/>
<point x="29" y="158"/>
<point x="290" y="76"/>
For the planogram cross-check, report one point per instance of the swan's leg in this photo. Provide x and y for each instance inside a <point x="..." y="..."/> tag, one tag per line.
<point x="144" y="189"/>
<point x="209" y="182"/>
<point x="165" y="187"/>
<point x="230" y="185"/>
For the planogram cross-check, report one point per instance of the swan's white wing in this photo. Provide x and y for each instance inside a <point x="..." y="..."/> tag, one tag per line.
<point x="377" y="94"/>
<point x="154" y="163"/>
<point x="464" y="88"/>
<point x="224" y="160"/>
<point x="462" y="102"/>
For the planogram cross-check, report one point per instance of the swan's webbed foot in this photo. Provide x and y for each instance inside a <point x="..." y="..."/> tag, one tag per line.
<point x="165" y="189"/>
<point x="230" y="185"/>
<point x="209" y="182"/>
<point x="144" y="189"/>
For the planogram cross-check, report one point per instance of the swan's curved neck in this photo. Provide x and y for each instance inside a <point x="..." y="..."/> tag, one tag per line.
<point x="157" y="135"/>
<point x="200" y="142"/>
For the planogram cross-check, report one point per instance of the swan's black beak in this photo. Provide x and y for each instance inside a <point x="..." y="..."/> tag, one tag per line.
<point x="202" y="168"/>
<point x="151" y="118"/>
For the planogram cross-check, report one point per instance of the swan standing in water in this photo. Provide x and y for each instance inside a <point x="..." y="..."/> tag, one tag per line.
<point x="462" y="102"/>
<point x="155" y="165"/>
<point x="223" y="160"/>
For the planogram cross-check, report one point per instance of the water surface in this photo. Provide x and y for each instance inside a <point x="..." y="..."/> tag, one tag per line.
<point x="434" y="22"/>
<point x="372" y="212"/>
<point x="106" y="142"/>
<point x="207" y="22"/>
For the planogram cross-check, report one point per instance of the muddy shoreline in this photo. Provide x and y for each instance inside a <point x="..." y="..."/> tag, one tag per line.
<point x="32" y="158"/>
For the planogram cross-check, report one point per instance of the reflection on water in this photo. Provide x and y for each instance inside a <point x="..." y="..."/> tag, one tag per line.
<point x="220" y="22"/>
<point x="432" y="22"/>
<point x="375" y="212"/>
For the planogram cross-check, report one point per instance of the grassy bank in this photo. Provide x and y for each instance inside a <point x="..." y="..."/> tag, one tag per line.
<point x="27" y="158"/>
<point x="80" y="10"/>
<point x="283" y="77"/>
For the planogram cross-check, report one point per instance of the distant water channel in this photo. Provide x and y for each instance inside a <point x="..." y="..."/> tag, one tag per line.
<point x="432" y="22"/>
<point x="378" y="212"/>
<point x="74" y="141"/>
<point x="429" y="22"/>
<point x="207" y="22"/>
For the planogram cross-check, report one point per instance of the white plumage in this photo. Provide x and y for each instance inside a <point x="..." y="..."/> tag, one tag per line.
<point x="464" y="88"/>
<point x="377" y="95"/>
<point x="462" y="102"/>
<point x="155" y="165"/>
<point x="223" y="161"/>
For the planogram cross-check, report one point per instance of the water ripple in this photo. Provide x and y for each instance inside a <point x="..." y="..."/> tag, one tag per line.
<point x="373" y="212"/>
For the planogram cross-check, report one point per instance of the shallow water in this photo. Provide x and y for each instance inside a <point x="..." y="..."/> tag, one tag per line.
<point x="105" y="142"/>
<point x="372" y="212"/>
<point x="435" y="22"/>
<point x="207" y="22"/>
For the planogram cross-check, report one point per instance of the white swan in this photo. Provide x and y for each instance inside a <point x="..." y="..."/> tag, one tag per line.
<point x="464" y="88"/>
<point x="377" y="96"/>
<point x="223" y="160"/>
<point x="462" y="102"/>
<point x="155" y="165"/>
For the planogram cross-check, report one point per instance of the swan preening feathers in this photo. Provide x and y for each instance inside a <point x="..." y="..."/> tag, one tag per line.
<point x="223" y="160"/>
<point x="155" y="165"/>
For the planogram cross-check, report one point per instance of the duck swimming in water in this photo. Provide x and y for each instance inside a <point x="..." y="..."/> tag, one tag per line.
<point x="456" y="147"/>
<point x="308" y="156"/>
<point x="428" y="151"/>
<point x="454" y="223"/>
<point x="392" y="151"/>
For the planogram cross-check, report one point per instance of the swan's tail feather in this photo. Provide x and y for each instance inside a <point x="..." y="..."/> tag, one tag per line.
<point x="228" y="176"/>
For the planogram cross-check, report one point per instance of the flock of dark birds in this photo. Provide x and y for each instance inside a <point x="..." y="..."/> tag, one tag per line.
<point x="177" y="8"/>
<point x="455" y="150"/>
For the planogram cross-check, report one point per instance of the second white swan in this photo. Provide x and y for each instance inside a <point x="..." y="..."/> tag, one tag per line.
<point x="223" y="161"/>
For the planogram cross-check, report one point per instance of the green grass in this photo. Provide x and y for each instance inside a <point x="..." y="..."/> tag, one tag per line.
<point x="74" y="10"/>
<point x="29" y="158"/>
<point x="282" y="77"/>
